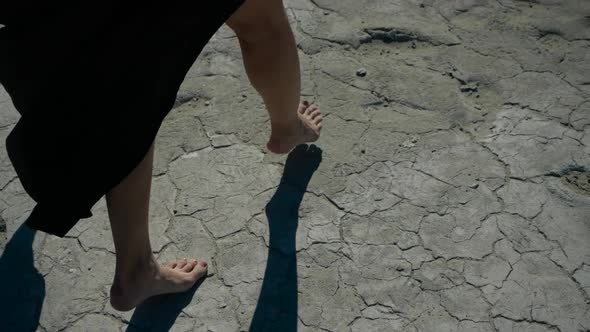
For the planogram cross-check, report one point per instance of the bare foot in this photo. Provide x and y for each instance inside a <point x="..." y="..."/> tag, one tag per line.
<point x="153" y="279"/>
<point x="306" y="130"/>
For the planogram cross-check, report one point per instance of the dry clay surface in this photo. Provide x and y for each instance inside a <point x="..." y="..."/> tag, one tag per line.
<point x="453" y="191"/>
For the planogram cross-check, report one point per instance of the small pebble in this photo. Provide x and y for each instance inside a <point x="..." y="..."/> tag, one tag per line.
<point x="361" y="72"/>
<point x="365" y="39"/>
<point x="407" y="144"/>
<point x="474" y="185"/>
<point x="326" y="12"/>
<point x="220" y="141"/>
<point x="207" y="103"/>
<point x="72" y="270"/>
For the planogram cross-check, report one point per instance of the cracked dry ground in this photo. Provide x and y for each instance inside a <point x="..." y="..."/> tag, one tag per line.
<point x="452" y="195"/>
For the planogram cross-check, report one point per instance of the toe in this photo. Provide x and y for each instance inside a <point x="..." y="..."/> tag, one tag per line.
<point x="196" y="273"/>
<point x="318" y="120"/>
<point x="315" y="113"/>
<point x="310" y="109"/>
<point x="181" y="263"/>
<point x="172" y="264"/>
<point x="203" y="263"/>
<point x="302" y="106"/>
<point x="190" y="265"/>
<point x="199" y="271"/>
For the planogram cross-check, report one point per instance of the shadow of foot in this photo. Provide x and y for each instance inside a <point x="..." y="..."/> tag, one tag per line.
<point x="158" y="313"/>
<point x="276" y="309"/>
<point x="301" y="163"/>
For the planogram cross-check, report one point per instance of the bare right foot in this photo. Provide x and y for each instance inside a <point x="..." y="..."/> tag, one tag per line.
<point x="153" y="279"/>
<point x="305" y="130"/>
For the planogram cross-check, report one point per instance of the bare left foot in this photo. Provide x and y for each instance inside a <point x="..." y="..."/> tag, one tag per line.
<point x="305" y="130"/>
<point x="153" y="279"/>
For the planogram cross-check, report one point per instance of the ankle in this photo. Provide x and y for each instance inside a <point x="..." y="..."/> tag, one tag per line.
<point x="285" y="127"/>
<point x="130" y="272"/>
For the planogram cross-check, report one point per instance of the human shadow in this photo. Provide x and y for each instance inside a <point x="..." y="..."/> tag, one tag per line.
<point x="22" y="287"/>
<point x="158" y="313"/>
<point x="276" y="309"/>
<point x="277" y="304"/>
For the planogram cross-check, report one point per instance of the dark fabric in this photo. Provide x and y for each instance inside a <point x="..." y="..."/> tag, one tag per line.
<point x="93" y="82"/>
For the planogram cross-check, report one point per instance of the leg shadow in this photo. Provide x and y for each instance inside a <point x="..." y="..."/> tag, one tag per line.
<point x="22" y="287"/>
<point x="277" y="304"/>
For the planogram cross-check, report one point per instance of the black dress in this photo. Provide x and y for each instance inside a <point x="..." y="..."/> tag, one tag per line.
<point x="93" y="81"/>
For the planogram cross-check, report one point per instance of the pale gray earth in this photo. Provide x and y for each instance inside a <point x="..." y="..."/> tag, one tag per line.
<point x="453" y="192"/>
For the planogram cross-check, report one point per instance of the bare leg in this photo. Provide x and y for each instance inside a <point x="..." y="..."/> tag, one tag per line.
<point x="137" y="275"/>
<point x="271" y="61"/>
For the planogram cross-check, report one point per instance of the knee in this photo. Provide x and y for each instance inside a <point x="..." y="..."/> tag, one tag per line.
<point x="257" y="21"/>
<point x="257" y="32"/>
